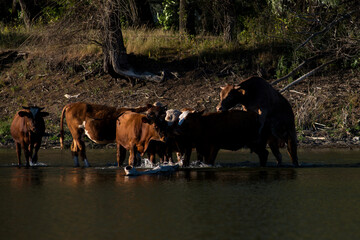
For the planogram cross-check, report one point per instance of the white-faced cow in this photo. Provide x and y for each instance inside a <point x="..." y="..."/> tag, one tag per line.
<point x="27" y="130"/>
<point x="275" y="112"/>
<point x="97" y="122"/>
<point x="230" y="130"/>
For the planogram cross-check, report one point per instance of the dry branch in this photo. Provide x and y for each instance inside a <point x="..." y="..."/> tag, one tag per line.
<point x="326" y="29"/>
<point x="307" y="75"/>
<point x="295" y="70"/>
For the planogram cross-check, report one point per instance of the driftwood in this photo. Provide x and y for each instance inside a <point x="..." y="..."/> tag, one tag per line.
<point x="307" y="75"/>
<point x="295" y="70"/>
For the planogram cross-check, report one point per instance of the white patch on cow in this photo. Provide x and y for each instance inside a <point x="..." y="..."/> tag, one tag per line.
<point x="172" y="115"/>
<point x="83" y="126"/>
<point x="182" y="117"/>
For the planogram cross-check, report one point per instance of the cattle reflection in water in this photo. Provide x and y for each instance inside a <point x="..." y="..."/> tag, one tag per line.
<point x="29" y="177"/>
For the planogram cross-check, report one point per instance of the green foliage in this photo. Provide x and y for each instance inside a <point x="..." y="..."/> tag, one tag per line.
<point x="169" y="17"/>
<point x="5" y="134"/>
<point x="52" y="13"/>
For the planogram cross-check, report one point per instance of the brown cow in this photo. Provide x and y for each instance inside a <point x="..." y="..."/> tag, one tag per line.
<point x="98" y="122"/>
<point x="135" y="133"/>
<point x="230" y="130"/>
<point x="275" y="112"/>
<point x="27" y="130"/>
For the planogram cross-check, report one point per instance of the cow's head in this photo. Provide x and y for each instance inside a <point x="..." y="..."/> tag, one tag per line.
<point x="156" y="115"/>
<point x="188" y="122"/>
<point x="35" y="117"/>
<point x="172" y="117"/>
<point x="230" y="95"/>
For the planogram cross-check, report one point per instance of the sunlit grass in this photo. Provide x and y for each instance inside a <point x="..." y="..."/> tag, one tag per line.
<point x="169" y="44"/>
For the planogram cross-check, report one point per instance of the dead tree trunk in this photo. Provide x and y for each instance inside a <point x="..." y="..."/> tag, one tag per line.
<point x="25" y="14"/>
<point x="182" y="17"/>
<point x="115" y="57"/>
<point x="229" y="20"/>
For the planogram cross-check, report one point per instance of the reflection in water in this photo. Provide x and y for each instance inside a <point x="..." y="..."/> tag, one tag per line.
<point x="26" y="177"/>
<point x="241" y="175"/>
<point x="78" y="176"/>
<point x="228" y="202"/>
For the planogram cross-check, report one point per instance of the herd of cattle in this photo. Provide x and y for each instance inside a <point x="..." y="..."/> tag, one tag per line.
<point x="266" y="118"/>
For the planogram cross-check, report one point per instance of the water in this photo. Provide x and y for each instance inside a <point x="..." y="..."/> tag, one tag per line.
<point x="238" y="201"/>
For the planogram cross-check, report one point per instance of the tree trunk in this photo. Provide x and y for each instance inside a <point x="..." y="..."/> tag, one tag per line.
<point x="229" y="20"/>
<point x="182" y="17"/>
<point x="115" y="57"/>
<point x="25" y="14"/>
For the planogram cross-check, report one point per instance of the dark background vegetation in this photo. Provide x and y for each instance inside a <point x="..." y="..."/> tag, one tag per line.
<point x="189" y="48"/>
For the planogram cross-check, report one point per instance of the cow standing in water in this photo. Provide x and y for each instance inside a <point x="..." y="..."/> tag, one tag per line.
<point x="27" y="130"/>
<point x="97" y="122"/>
<point x="275" y="112"/>
<point x="136" y="133"/>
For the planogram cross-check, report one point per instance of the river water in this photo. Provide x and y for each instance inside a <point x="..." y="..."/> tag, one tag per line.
<point x="237" y="199"/>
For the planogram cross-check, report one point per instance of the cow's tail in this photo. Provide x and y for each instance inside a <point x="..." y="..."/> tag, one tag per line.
<point x="62" y="127"/>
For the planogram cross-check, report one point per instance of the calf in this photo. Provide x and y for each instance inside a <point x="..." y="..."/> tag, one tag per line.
<point x="135" y="133"/>
<point x="97" y="122"/>
<point x="274" y="111"/>
<point x="231" y="130"/>
<point x="27" y="130"/>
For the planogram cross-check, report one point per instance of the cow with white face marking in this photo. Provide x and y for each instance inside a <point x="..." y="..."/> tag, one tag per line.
<point x="97" y="122"/>
<point x="27" y="130"/>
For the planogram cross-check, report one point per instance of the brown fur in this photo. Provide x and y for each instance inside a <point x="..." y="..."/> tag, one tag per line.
<point x="226" y="130"/>
<point x="27" y="133"/>
<point x="100" y="124"/>
<point x="275" y="112"/>
<point x="135" y="134"/>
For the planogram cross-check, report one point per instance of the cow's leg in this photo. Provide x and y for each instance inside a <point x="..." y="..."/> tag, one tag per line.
<point x="79" y="147"/>
<point x="274" y="146"/>
<point x="263" y="156"/>
<point x="187" y="156"/>
<point x="31" y="150"/>
<point x="18" y="153"/>
<point x="132" y="155"/>
<point x="179" y="156"/>
<point x="292" y="148"/>
<point x="152" y="158"/>
<point x="212" y="155"/>
<point x="75" y="153"/>
<point x="36" y="150"/>
<point x="27" y="154"/>
<point x="120" y="154"/>
<point x="83" y="155"/>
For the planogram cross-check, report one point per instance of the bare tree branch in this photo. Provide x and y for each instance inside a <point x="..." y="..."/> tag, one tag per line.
<point x="326" y="29"/>
<point x="307" y="75"/>
<point x="295" y="70"/>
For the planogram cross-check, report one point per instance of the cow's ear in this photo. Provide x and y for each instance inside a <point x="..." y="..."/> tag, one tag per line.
<point x="44" y="114"/>
<point x="145" y="120"/>
<point x="222" y="88"/>
<point x="24" y="114"/>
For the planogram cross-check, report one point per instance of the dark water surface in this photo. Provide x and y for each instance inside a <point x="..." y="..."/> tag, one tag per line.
<point x="320" y="200"/>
